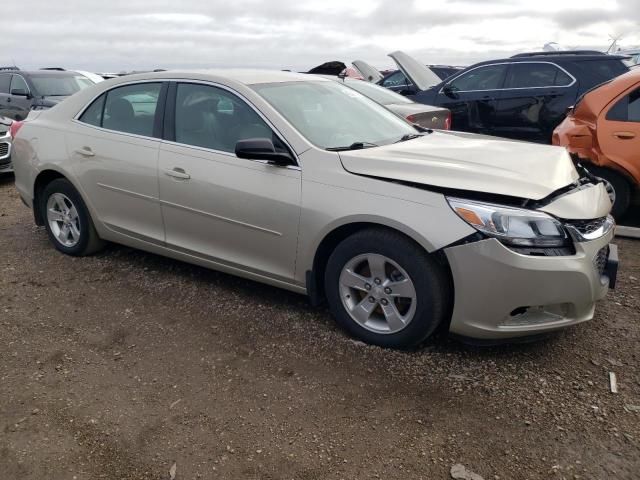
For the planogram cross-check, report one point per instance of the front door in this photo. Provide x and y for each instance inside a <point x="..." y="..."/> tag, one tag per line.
<point x="472" y="98"/>
<point x="20" y="98"/>
<point x="239" y="213"/>
<point x="115" y="150"/>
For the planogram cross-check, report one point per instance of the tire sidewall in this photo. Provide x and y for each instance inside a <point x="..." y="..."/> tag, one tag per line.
<point x="66" y="188"/>
<point x="425" y="273"/>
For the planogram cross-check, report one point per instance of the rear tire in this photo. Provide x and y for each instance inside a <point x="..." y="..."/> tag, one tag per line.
<point x="386" y="290"/>
<point x="67" y="219"/>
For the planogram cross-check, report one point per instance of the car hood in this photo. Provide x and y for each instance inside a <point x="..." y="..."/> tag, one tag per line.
<point x="468" y="162"/>
<point x="416" y="72"/>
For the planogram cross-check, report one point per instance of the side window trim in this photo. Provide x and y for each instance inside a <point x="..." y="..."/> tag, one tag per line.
<point x="504" y="79"/>
<point x="573" y="79"/>
<point x="621" y="102"/>
<point x="170" y="119"/>
<point x="24" y="81"/>
<point x="160" y="107"/>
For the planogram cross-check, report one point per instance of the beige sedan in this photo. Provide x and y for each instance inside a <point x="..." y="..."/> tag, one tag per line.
<point x="308" y="185"/>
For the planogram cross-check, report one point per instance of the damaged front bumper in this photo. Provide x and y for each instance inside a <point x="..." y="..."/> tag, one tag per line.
<point x="503" y="294"/>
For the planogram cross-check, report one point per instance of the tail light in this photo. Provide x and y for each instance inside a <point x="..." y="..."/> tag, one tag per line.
<point x="14" y="128"/>
<point x="411" y="119"/>
<point x="447" y="122"/>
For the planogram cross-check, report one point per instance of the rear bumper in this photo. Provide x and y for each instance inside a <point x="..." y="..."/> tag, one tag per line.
<point x="501" y="294"/>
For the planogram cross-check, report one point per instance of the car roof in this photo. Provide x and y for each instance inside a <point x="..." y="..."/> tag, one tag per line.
<point x="242" y="76"/>
<point x="553" y="57"/>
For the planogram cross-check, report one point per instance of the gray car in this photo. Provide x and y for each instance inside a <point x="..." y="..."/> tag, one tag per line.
<point x="420" y="114"/>
<point x="305" y="184"/>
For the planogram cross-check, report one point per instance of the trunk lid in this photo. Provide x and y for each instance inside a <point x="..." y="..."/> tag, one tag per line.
<point x="369" y="73"/>
<point x="416" y="72"/>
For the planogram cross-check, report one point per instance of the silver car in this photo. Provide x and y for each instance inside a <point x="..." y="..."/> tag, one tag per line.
<point x="303" y="183"/>
<point x="426" y="116"/>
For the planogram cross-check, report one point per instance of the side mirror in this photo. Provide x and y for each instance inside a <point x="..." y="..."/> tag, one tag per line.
<point x="262" y="149"/>
<point x="20" y="92"/>
<point x="449" y="91"/>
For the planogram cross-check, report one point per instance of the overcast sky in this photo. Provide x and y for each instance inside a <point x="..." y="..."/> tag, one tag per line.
<point x="114" y="35"/>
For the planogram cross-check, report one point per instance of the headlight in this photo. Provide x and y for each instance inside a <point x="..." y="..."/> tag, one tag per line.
<point x="512" y="226"/>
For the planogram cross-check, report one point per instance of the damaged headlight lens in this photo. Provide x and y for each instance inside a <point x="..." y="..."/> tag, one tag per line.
<point x="513" y="226"/>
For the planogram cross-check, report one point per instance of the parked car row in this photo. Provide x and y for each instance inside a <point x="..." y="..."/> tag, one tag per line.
<point x="603" y="131"/>
<point x="303" y="183"/>
<point x="527" y="96"/>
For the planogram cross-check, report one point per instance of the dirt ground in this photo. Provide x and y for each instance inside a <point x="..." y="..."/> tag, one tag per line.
<point x="118" y="365"/>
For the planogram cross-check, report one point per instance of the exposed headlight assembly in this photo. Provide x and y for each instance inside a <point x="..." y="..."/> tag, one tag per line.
<point x="512" y="226"/>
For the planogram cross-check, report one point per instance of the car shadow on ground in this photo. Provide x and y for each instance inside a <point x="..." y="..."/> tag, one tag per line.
<point x="439" y="343"/>
<point x="6" y="178"/>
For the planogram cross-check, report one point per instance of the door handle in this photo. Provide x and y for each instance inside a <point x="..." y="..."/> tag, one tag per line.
<point x="85" y="152"/>
<point x="177" y="172"/>
<point x="624" y="135"/>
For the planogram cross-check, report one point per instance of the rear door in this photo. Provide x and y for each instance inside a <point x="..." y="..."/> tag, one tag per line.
<point x="534" y="101"/>
<point x="114" y="145"/>
<point x="472" y="98"/>
<point x="619" y="132"/>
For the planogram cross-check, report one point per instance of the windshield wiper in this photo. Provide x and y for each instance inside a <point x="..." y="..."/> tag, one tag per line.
<point x="353" y="146"/>
<point x="410" y="136"/>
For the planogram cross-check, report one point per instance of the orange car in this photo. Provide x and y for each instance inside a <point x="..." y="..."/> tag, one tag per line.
<point x="603" y="132"/>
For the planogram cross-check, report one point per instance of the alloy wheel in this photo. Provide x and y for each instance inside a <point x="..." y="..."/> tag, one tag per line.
<point x="63" y="220"/>
<point x="377" y="293"/>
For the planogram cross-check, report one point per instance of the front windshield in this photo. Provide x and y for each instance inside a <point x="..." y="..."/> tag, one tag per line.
<point x="382" y="95"/>
<point x="333" y="116"/>
<point x="59" y="85"/>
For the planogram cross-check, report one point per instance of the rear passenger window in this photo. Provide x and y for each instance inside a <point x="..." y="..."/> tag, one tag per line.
<point x="626" y="109"/>
<point x="536" y="75"/>
<point x="214" y="118"/>
<point x="93" y="114"/>
<point x="132" y="108"/>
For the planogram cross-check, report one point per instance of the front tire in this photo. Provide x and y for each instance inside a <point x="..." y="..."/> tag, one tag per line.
<point x="621" y="188"/>
<point x="386" y="290"/>
<point x="67" y="220"/>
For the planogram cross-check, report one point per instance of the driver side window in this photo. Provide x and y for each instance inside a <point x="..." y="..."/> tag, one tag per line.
<point x="490" y="77"/>
<point x="214" y="118"/>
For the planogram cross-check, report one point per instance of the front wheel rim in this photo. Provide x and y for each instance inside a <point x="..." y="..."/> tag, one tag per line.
<point x="377" y="293"/>
<point x="63" y="220"/>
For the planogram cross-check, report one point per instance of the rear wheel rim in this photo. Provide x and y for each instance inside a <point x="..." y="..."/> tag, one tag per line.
<point x="63" y="220"/>
<point x="377" y="293"/>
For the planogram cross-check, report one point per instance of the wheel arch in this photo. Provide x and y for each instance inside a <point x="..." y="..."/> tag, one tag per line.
<point x="42" y="179"/>
<point x="315" y="275"/>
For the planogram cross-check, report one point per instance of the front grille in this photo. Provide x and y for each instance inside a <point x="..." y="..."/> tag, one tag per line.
<point x="4" y="149"/>
<point x="601" y="258"/>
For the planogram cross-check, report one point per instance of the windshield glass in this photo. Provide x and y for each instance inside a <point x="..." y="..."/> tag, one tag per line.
<point x="332" y="116"/>
<point x="378" y="94"/>
<point x="59" y="85"/>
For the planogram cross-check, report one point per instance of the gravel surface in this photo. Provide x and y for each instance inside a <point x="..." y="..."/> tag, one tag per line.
<point x="123" y="364"/>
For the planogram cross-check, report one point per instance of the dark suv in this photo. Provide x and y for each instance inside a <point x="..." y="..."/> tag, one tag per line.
<point x="22" y="91"/>
<point x="523" y="97"/>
